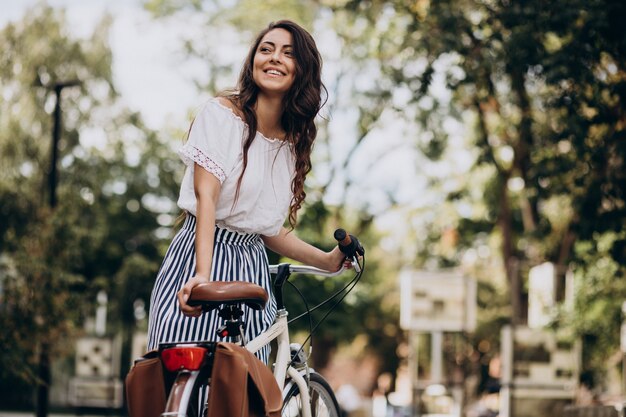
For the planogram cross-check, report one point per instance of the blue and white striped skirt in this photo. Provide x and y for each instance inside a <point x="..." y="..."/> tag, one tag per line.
<point x="236" y="257"/>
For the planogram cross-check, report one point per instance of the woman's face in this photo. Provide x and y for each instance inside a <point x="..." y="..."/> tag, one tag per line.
<point x="274" y="67"/>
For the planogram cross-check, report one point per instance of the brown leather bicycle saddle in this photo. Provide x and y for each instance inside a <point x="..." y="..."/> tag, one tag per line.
<point x="212" y="294"/>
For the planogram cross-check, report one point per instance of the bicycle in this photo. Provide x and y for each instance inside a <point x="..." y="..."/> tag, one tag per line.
<point x="299" y="384"/>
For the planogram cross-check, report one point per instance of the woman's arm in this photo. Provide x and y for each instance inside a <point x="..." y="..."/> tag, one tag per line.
<point x="289" y="245"/>
<point x="207" y="189"/>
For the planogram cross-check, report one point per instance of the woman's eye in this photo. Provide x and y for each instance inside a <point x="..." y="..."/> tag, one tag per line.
<point x="289" y="53"/>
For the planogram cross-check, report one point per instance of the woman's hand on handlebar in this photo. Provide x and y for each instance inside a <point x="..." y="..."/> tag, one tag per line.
<point x="350" y="247"/>
<point x="185" y="292"/>
<point x="336" y="260"/>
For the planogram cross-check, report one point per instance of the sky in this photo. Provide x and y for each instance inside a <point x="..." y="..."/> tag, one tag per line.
<point x="146" y="67"/>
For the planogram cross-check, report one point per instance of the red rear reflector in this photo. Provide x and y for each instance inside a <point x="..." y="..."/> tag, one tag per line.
<point x="184" y="357"/>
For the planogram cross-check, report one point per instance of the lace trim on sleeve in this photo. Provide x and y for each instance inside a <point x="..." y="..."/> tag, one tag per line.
<point x="197" y="156"/>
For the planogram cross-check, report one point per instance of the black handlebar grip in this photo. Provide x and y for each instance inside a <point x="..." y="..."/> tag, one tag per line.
<point x="348" y="244"/>
<point x="342" y="238"/>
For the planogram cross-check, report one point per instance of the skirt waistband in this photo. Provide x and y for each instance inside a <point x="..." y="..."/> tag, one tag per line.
<point x="223" y="235"/>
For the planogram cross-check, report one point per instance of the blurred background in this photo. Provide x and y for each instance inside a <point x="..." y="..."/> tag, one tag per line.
<point x="476" y="147"/>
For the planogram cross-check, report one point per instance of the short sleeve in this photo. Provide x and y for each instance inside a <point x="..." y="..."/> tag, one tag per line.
<point x="214" y="141"/>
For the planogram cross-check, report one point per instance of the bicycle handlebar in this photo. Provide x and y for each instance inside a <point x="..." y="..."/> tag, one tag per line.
<point x="306" y="269"/>
<point x="348" y="244"/>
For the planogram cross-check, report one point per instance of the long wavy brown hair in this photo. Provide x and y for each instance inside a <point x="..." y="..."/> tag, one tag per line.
<point x="301" y="105"/>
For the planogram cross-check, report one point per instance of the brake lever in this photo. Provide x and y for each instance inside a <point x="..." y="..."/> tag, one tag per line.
<point x="355" y="264"/>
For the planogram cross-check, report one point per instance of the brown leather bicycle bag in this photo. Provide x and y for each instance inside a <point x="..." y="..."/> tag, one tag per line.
<point x="241" y="385"/>
<point x="145" y="387"/>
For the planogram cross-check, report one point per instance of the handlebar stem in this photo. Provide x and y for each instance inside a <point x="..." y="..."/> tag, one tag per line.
<point x="283" y="272"/>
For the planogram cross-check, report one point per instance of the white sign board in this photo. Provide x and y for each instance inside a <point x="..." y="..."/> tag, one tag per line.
<point x="437" y="301"/>
<point x="540" y="295"/>
<point x="539" y="365"/>
<point x="94" y="357"/>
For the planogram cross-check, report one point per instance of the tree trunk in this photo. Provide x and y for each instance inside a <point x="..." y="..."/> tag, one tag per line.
<point x="510" y="261"/>
<point x="569" y="238"/>
<point x="525" y="142"/>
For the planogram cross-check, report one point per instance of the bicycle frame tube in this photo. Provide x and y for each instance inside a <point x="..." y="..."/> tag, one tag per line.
<point x="279" y="331"/>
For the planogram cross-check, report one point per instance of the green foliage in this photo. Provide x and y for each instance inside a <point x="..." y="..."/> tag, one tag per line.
<point x="246" y="15"/>
<point x="115" y="200"/>
<point x="600" y="291"/>
<point x="565" y="105"/>
<point x="543" y="86"/>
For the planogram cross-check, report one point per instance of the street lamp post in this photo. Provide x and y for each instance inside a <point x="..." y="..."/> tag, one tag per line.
<point x="56" y="136"/>
<point x="43" y="387"/>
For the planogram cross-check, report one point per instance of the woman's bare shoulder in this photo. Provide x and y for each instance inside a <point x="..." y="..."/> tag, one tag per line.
<point x="226" y="102"/>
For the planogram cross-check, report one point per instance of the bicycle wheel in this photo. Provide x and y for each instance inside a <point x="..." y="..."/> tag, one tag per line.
<point x="323" y="401"/>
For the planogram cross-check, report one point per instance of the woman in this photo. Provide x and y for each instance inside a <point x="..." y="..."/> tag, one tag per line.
<point x="247" y="156"/>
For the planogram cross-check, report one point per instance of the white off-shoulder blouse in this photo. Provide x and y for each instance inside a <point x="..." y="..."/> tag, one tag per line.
<point x="216" y="144"/>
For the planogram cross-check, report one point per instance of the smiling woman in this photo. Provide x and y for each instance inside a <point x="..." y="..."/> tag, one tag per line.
<point x="248" y="153"/>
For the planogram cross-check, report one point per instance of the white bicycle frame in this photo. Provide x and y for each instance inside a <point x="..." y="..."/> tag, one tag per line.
<point x="280" y="331"/>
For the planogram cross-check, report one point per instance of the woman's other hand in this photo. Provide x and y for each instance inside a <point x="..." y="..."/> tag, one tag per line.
<point x="336" y="259"/>
<point x="185" y="292"/>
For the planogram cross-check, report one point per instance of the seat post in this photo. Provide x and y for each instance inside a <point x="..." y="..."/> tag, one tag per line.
<point x="233" y="323"/>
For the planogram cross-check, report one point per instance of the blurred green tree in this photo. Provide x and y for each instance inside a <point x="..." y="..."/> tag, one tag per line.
<point x="543" y="86"/>
<point x="116" y="192"/>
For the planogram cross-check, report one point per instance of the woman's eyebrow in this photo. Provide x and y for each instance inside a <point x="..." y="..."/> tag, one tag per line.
<point x="274" y="45"/>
